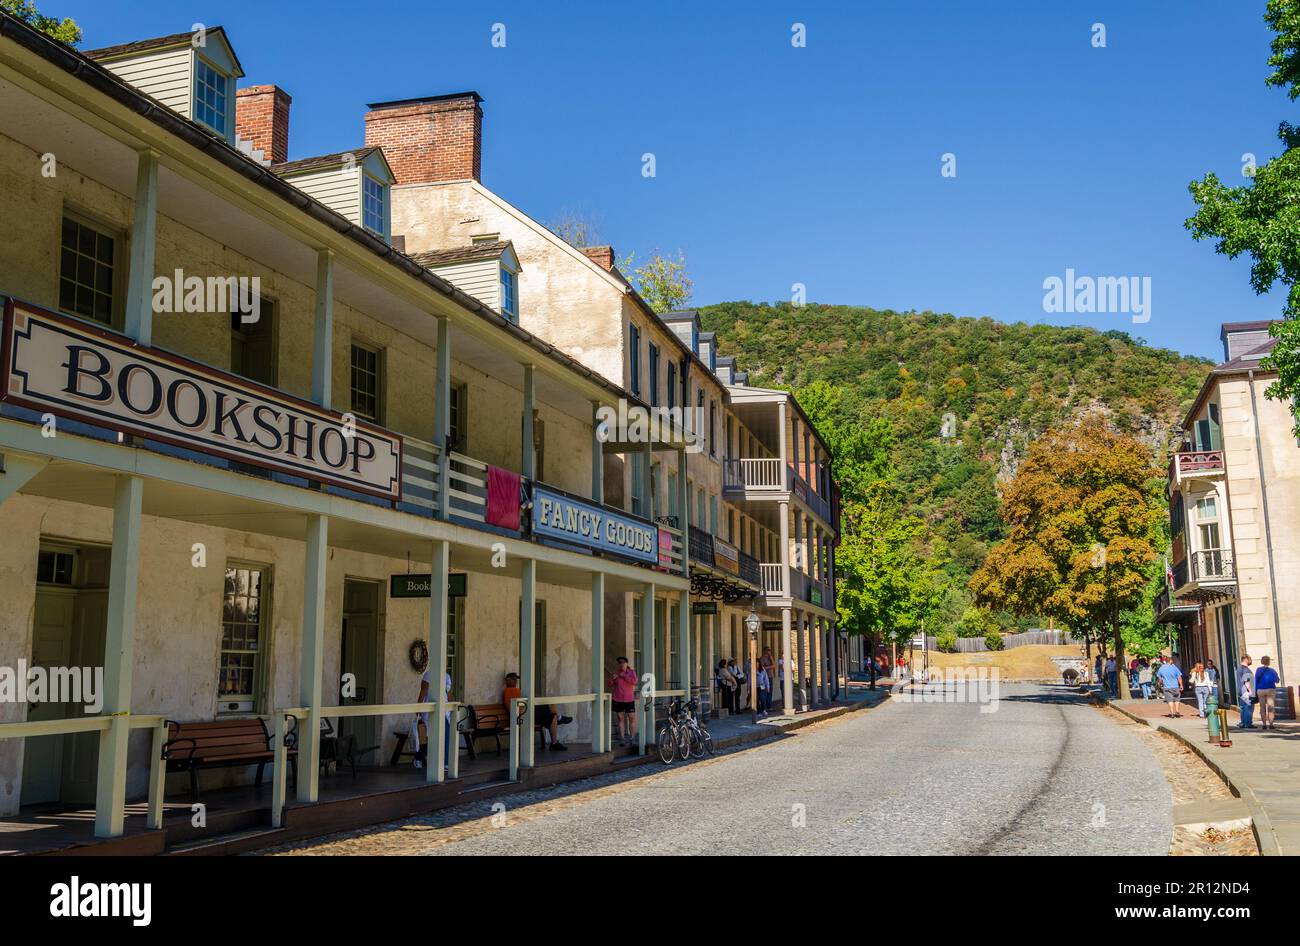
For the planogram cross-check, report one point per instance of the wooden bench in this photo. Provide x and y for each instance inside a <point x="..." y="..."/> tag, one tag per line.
<point x="486" y="720"/>
<point x="222" y="743"/>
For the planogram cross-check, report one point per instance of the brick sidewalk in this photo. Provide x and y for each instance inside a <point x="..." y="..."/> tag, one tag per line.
<point x="1260" y="767"/>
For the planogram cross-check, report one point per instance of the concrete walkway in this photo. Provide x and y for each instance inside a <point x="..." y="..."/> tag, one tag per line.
<point x="1262" y="768"/>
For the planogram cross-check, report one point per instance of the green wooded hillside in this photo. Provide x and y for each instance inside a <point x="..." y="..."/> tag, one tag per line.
<point x="879" y="384"/>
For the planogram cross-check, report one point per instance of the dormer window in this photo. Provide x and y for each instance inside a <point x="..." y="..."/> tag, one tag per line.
<point x="211" y="94"/>
<point x="509" y="295"/>
<point x="375" y="202"/>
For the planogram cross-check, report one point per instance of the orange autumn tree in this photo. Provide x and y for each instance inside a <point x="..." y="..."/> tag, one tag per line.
<point x="1081" y="517"/>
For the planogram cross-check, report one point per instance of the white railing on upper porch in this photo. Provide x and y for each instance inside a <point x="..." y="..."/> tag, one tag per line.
<point x="772" y="583"/>
<point x="467" y="481"/>
<point x="754" y="473"/>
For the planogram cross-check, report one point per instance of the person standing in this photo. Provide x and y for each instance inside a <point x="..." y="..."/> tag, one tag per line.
<point x="1212" y="672"/>
<point x="1171" y="680"/>
<point x="764" y="684"/>
<point x="1200" y="681"/>
<point x="739" y="676"/>
<point x="729" y="685"/>
<point x="1245" y="694"/>
<point x="422" y="754"/>
<point x="1266" y="681"/>
<point x="1112" y="679"/>
<point x="1144" y="679"/>
<point x="622" y="687"/>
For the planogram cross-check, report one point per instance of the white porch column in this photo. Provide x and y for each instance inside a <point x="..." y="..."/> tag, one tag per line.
<point x="322" y="352"/>
<point x="783" y="443"/>
<point x="597" y="457"/>
<point x="598" y="662"/>
<point x="798" y="557"/>
<point x="785" y="549"/>
<point x="138" y="321"/>
<point x="442" y="417"/>
<point x="801" y="654"/>
<point x="313" y="657"/>
<point x="815" y="657"/>
<point x="684" y="504"/>
<point x="710" y="658"/>
<point x="436" y="731"/>
<point x="684" y="641"/>
<point x="787" y="689"/>
<point x="647" y="661"/>
<point x="119" y="656"/>
<point x="527" y="651"/>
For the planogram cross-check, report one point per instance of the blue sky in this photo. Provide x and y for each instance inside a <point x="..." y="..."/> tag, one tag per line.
<point x="820" y="165"/>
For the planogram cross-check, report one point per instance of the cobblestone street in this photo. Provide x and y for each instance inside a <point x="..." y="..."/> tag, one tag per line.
<point x="1046" y="772"/>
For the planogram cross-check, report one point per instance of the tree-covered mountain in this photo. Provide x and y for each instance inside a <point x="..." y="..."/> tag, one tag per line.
<point x="943" y="407"/>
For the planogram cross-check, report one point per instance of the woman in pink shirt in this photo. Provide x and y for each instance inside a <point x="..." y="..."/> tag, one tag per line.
<point x="623" y="685"/>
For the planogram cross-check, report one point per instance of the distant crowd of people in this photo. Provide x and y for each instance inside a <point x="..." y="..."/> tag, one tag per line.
<point x="1161" y="678"/>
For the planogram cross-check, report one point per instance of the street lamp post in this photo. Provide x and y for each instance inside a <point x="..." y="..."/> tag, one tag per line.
<point x="752" y="624"/>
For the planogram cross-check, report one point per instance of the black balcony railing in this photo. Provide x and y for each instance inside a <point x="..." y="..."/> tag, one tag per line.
<point x="1212" y="565"/>
<point x="701" y="546"/>
<point x="1180" y="573"/>
<point x="749" y="570"/>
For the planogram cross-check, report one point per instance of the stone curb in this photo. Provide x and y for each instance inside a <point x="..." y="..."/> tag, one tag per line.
<point x="1265" y="836"/>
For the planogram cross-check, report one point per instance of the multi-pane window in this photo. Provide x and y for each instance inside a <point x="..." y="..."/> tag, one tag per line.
<point x="54" y="567"/>
<point x="457" y="432"/>
<point x="455" y="657"/>
<point x="210" y="97"/>
<point x="373" y="201"/>
<point x="654" y="375"/>
<point x="366" y="366"/>
<point x="509" y="297"/>
<point x="252" y="343"/>
<point x="637" y="604"/>
<point x="243" y="623"/>
<point x="87" y="274"/>
<point x="638" y="488"/>
<point x="634" y="359"/>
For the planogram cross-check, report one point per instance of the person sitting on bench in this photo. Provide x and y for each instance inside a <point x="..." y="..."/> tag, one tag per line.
<point x="544" y="717"/>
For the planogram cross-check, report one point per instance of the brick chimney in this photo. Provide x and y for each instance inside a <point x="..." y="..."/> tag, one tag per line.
<point x="439" y="138"/>
<point x="602" y="256"/>
<point x="262" y="117"/>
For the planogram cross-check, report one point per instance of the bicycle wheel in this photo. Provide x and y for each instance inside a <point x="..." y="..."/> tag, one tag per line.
<point x="697" y="742"/>
<point x="706" y="739"/>
<point x="667" y="743"/>
<point x="683" y="733"/>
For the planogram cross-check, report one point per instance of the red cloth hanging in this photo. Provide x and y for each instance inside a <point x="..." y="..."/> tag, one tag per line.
<point x="502" y="498"/>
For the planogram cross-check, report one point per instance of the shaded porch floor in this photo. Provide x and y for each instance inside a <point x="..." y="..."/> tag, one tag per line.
<point x="239" y="818"/>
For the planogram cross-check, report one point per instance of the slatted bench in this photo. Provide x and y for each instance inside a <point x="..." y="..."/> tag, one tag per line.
<point x="222" y="743"/>
<point x="486" y="720"/>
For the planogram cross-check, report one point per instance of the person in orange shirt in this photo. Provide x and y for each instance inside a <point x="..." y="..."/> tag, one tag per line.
<point x="544" y="716"/>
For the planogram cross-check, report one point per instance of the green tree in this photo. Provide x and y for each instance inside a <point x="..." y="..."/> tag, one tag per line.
<point x="887" y="587"/>
<point x="1259" y="218"/>
<point x="64" y="30"/>
<point x="1082" y="520"/>
<point x="662" y="281"/>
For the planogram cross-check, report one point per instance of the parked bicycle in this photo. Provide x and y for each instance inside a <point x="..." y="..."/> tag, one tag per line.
<point x="683" y="735"/>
